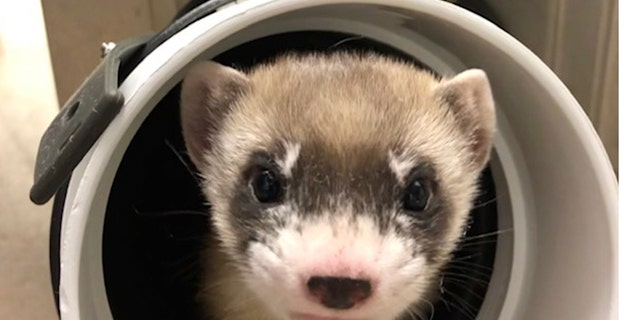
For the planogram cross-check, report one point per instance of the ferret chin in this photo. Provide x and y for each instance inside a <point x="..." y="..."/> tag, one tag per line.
<point x="340" y="184"/>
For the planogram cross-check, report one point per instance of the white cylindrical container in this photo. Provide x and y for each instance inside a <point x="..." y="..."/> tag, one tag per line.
<point x="556" y="190"/>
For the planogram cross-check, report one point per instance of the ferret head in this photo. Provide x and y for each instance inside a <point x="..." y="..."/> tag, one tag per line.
<point x="339" y="184"/>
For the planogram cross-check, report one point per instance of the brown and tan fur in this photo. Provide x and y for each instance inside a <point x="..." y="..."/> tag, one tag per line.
<point x="346" y="105"/>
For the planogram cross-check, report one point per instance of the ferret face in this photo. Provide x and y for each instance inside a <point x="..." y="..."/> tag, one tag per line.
<point x="339" y="184"/>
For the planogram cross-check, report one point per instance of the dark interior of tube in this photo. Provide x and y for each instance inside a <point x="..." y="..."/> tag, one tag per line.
<point x="156" y="220"/>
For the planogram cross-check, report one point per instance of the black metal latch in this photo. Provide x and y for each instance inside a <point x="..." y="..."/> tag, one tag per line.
<point x="88" y="113"/>
<point x="81" y="122"/>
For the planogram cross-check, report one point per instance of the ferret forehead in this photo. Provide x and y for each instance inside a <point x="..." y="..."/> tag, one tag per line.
<point x="352" y="157"/>
<point x="338" y="114"/>
<point x="358" y="175"/>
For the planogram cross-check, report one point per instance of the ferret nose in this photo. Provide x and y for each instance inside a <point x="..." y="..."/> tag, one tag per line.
<point x="338" y="292"/>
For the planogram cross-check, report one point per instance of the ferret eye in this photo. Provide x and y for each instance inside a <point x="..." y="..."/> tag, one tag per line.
<point x="416" y="196"/>
<point x="266" y="186"/>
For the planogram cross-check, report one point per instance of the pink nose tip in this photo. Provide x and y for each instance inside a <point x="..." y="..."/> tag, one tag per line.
<point x="338" y="292"/>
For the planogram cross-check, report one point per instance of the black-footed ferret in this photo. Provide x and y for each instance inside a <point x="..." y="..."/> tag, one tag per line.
<point x="339" y="184"/>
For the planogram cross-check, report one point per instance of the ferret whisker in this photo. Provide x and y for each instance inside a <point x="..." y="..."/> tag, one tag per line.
<point x="432" y="308"/>
<point x="181" y="260"/>
<point x="167" y="213"/>
<point x="413" y="310"/>
<point x="463" y="302"/>
<point x="472" y="265"/>
<point x="483" y="204"/>
<point x="456" y="306"/>
<point x="461" y="284"/>
<point x="186" y="271"/>
<point x="416" y="314"/>
<point x="464" y="276"/>
<point x="446" y="303"/>
<point x="470" y="270"/>
<point x="467" y="257"/>
<point x="343" y="41"/>
<point x="488" y="234"/>
<point x="190" y="238"/>
<point x="466" y="309"/>
<point x="488" y="202"/>
<point x="475" y="243"/>
<point x="181" y="159"/>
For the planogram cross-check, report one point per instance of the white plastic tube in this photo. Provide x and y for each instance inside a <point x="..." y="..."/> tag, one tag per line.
<point x="556" y="187"/>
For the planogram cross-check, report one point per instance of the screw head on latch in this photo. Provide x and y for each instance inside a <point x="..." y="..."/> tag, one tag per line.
<point x="107" y="47"/>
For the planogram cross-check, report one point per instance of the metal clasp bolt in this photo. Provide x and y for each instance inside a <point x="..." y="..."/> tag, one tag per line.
<point x="106" y="48"/>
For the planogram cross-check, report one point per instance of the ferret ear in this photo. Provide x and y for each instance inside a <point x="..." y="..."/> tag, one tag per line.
<point x="208" y="91"/>
<point x="469" y="96"/>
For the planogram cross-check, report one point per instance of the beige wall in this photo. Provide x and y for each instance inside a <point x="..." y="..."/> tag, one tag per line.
<point x="77" y="28"/>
